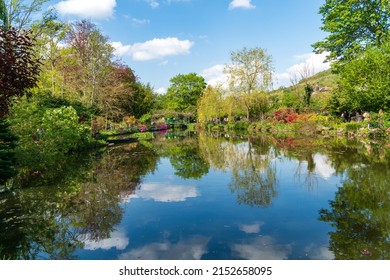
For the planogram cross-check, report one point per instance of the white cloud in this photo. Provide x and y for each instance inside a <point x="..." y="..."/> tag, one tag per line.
<point x="153" y="4"/>
<point x="154" y="49"/>
<point x="245" y="4"/>
<point x="137" y="21"/>
<point x="311" y="60"/>
<point x="118" y="240"/>
<point x="215" y="75"/>
<point x="189" y="249"/>
<point x="165" y="192"/>
<point x="87" y="8"/>
<point x="120" y="49"/>
<point x="161" y="90"/>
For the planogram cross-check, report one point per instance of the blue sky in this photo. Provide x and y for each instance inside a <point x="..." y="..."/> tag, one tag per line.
<point x="159" y="39"/>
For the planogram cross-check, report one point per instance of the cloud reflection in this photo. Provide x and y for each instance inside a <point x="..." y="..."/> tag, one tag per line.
<point x="252" y="228"/>
<point x="164" y="192"/>
<point x="261" y="248"/>
<point x="323" y="167"/>
<point x="188" y="249"/>
<point x="118" y="239"/>
<point x="318" y="252"/>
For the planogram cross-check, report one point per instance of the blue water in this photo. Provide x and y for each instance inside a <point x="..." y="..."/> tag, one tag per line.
<point x="173" y="218"/>
<point x="206" y="197"/>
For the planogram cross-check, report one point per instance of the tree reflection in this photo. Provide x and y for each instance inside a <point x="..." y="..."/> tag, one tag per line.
<point x="254" y="176"/>
<point x="97" y="206"/>
<point x="52" y="219"/>
<point x="360" y="214"/>
<point x="184" y="155"/>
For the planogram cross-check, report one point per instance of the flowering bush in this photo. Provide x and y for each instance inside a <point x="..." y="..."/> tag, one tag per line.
<point x="285" y="115"/>
<point x="143" y="128"/>
<point x="162" y="126"/>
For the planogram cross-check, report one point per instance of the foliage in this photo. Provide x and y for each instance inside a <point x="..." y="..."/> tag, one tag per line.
<point x="353" y="25"/>
<point x="142" y="99"/>
<point x="46" y="133"/>
<point x="20" y="15"/>
<point x="210" y="104"/>
<point x="92" y="53"/>
<point x="184" y="92"/>
<point x="285" y="115"/>
<point x="3" y="13"/>
<point x="308" y="92"/>
<point x="290" y="99"/>
<point x="130" y="120"/>
<point x="19" y="66"/>
<point x="353" y="126"/>
<point x="145" y="118"/>
<point x="8" y="142"/>
<point x="250" y="71"/>
<point x="364" y="82"/>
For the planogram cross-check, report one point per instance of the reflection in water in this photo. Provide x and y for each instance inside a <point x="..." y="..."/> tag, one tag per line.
<point x="252" y="228"/>
<point x="117" y="239"/>
<point x="183" y="154"/>
<point x="360" y="214"/>
<point x="80" y="210"/>
<point x="261" y="248"/>
<point x="254" y="175"/>
<point x="192" y="248"/>
<point x="51" y="219"/>
<point x="165" y="192"/>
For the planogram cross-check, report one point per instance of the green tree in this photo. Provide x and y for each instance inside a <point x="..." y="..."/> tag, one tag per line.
<point x="3" y="13"/>
<point x="365" y="82"/>
<point x="184" y="92"/>
<point x="260" y="104"/>
<point x="250" y="70"/>
<point x="46" y="134"/>
<point x="352" y="26"/>
<point x="143" y="99"/>
<point x="7" y="152"/>
<point x="19" y="14"/>
<point x="210" y="105"/>
<point x="48" y="41"/>
<point x="92" y="52"/>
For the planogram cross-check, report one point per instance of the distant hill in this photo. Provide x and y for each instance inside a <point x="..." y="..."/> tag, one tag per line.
<point x="324" y="81"/>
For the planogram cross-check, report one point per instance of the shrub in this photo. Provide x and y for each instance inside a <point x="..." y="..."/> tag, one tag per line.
<point x="142" y="128"/>
<point x="46" y="133"/>
<point x="285" y="115"/>
<point x="353" y="126"/>
<point x="146" y="118"/>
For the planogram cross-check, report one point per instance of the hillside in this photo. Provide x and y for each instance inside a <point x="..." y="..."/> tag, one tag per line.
<point x="323" y="81"/>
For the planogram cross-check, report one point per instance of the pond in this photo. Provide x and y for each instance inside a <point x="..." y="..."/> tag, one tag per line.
<point x="204" y="196"/>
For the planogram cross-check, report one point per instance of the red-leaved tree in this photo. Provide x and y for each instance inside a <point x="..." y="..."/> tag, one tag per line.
<point x="19" y="66"/>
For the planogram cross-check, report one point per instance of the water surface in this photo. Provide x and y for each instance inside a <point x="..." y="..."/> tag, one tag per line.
<point x="205" y="197"/>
